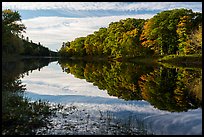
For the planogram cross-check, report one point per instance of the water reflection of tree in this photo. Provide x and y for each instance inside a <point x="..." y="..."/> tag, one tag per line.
<point x="119" y="79"/>
<point x="19" y="115"/>
<point x="166" y="89"/>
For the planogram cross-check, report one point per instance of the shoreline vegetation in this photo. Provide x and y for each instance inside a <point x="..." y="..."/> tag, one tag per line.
<point x="179" y="61"/>
<point x="184" y="61"/>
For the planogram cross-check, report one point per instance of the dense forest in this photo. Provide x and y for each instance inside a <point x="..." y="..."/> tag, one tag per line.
<point x="177" y="31"/>
<point x="14" y="43"/>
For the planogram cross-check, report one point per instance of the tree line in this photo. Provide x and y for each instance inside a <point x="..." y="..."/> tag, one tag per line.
<point x="13" y="42"/>
<point x="177" y="31"/>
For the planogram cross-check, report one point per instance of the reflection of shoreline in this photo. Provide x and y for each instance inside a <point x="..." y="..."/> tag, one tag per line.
<point x="172" y="85"/>
<point x="19" y="66"/>
<point x="165" y="88"/>
<point x="19" y="116"/>
<point x="196" y="88"/>
<point x="170" y="65"/>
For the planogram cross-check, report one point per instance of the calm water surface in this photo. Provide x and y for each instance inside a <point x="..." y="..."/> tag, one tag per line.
<point x="165" y="100"/>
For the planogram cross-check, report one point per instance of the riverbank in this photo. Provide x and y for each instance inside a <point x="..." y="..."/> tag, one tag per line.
<point x="190" y="61"/>
<point x="138" y="59"/>
<point x="177" y="60"/>
<point x="16" y="57"/>
<point x="184" y="61"/>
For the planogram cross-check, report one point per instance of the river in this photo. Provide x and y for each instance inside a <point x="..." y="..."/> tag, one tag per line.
<point x="115" y="97"/>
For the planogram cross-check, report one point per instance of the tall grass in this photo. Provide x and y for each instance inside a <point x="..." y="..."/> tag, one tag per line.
<point x="75" y="121"/>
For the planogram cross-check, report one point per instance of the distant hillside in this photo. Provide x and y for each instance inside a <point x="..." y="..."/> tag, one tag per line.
<point x="14" y="43"/>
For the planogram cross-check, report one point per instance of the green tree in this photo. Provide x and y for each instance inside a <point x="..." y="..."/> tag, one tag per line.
<point x="196" y="40"/>
<point x="11" y="30"/>
<point x="166" y="33"/>
<point x="11" y="22"/>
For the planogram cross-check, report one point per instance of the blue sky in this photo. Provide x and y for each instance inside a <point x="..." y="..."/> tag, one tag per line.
<point x="52" y="23"/>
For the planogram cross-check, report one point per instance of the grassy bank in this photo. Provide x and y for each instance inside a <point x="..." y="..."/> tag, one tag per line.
<point x="143" y="59"/>
<point x="190" y="61"/>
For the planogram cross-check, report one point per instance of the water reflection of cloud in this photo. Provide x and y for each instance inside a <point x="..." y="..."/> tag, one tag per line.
<point x="157" y="121"/>
<point x="52" y="81"/>
<point x="184" y="123"/>
<point x="95" y="103"/>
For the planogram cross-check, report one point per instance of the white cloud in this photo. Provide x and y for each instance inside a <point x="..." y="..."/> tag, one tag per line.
<point x="52" y="31"/>
<point x="55" y="82"/>
<point x="124" y="6"/>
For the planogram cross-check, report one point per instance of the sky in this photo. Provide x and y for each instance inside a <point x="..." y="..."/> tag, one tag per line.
<point x="52" y="23"/>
